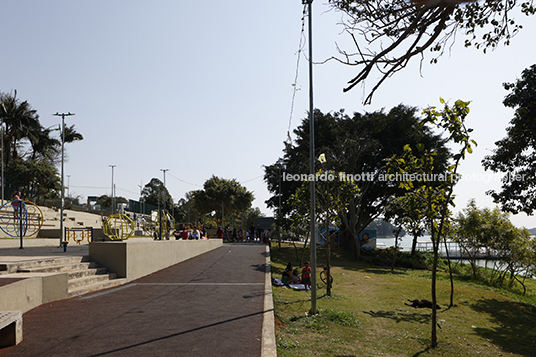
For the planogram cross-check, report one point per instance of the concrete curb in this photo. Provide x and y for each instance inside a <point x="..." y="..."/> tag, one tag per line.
<point x="269" y="347"/>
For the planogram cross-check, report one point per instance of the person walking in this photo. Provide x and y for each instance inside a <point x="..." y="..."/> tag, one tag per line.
<point x="252" y="232"/>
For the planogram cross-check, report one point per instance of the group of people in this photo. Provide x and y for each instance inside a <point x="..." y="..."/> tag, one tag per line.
<point x="242" y="235"/>
<point x="191" y="232"/>
<point x="291" y="276"/>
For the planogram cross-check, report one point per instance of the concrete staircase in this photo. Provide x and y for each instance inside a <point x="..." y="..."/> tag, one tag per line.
<point x="84" y="276"/>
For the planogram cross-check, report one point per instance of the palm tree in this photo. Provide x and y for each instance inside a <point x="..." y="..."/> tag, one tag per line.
<point x="71" y="135"/>
<point x="44" y="146"/>
<point x="22" y="122"/>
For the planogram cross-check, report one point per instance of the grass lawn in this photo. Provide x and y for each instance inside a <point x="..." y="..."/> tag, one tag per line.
<point x="366" y="314"/>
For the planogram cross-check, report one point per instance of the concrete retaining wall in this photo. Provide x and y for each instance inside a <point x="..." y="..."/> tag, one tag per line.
<point x="138" y="257"/>
<point x="33" y="290"/>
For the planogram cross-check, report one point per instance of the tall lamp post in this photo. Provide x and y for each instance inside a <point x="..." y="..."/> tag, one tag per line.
<point x="2" y="163"/>
<point x="163" y="201"/>
<point x="113" y="195"/>
<point x="312" y="159"/>
<point x="62" y="115"/>
<point x="68" y="186"/>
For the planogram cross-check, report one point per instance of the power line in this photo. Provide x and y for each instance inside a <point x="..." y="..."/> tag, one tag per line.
<point x="295" y="84"/>
<point x="252" y="179"/>
<point x="189" y="183"/>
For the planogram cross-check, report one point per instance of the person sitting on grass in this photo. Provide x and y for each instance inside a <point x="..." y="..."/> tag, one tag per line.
<point x="288" y="277"/>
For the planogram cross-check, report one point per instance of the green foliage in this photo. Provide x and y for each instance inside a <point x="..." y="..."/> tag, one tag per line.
<point x="514" y="154"/>
<point x="435" y="198"/>
<point x="30" y="150"/>
<point x="358" y="146"/>
<point x="156" y="194"/>
<point x="218" y="194"/>
<point x="104" y="201"/>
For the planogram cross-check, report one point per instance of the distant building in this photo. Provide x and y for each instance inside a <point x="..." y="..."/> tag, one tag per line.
<point x="264" y="222"/>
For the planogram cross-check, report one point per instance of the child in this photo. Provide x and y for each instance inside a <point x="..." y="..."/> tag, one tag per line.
<point x="306" y="275"/>
<point x="15" y="202"/>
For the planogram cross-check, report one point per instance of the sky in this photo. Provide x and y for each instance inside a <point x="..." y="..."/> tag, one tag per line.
<point x="202" y="88"/>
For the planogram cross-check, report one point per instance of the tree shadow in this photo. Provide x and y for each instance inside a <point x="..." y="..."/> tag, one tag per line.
<point x="385" y="271"/>
<point x="514" y="325"/>
<point x="402" y="316"/>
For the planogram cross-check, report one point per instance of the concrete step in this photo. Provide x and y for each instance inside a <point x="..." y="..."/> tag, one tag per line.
<point x="63" y="268"/>
<point x="90" y="280"/>
<point x="81" y="290"/>
<point x="84" y="276"/>
<point x="52" y="261"/>
<point x="87" y="272"/>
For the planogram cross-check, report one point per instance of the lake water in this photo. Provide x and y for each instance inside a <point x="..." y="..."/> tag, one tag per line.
<point x="424" y="242"/>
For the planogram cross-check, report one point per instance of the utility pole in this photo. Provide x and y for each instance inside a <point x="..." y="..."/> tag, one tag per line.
<point x="279" y="208"/>
<point x="2" y="163"/>
<point x="163" y="201"/>
<point x="312" y="184"/>
<point x="68" y="186"/>
<point x="112" y="195"/>
<point x="62" y="115"/>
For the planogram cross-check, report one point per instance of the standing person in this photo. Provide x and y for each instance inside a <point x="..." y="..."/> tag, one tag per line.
<point x="252" y="232"/>
<point x="266" y="237"/>
<point x="219" y="232"/>
<point x="235" y="235"/>
<point x="259" y="232"/>
<point x="15" y="202"/>
<point x="306" y="276"/>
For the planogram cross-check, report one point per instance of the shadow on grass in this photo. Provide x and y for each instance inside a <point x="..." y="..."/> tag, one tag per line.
<point x="514" y="330"/>
<point x="401" y="316"/>
<point x="426" y="350"/>
<point x="381" y="271"/>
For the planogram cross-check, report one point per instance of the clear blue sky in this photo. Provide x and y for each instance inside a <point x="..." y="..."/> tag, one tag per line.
<point x="204" y="88"/>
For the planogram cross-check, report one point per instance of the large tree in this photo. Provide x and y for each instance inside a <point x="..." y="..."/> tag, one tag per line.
<point x="218" y="194"/>
<point x="387" y="34"/>
<point x="156" y="194"/>
<point x="358" y="146"/>
<point x="514" y="154"/>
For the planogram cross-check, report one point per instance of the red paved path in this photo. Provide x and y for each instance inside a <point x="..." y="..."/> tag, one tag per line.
<point x="211" y="305"/>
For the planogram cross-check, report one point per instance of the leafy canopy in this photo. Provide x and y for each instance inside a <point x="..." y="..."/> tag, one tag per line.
<point x="514" y="154"/>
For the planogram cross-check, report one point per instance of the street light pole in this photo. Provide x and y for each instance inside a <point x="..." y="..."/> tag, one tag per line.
<point x="279" y="209"/>
<point x="68" y="186"/>
<point x="163" y="201"/>
<point x="113" y="196"/>
<point x="312" y="160"/>
<point x="62" y="115"/>
<point x="2" y="163"/>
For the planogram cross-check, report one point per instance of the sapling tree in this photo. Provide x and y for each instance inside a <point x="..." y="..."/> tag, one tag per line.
<point x="435" y="191"/>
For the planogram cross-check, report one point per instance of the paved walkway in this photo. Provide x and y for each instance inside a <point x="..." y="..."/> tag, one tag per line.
<point x="211" y="305"/>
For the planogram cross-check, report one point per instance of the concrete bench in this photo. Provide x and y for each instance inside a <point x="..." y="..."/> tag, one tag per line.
<point x="10" y="328"/>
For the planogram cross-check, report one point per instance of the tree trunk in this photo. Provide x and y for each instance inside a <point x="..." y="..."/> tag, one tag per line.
<point x="414" y="243"/>
<point x="328" y="290"/>
<point x="356" y="246"/>
<point x="434" y="296"/>
<point x="450" y="275"/>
